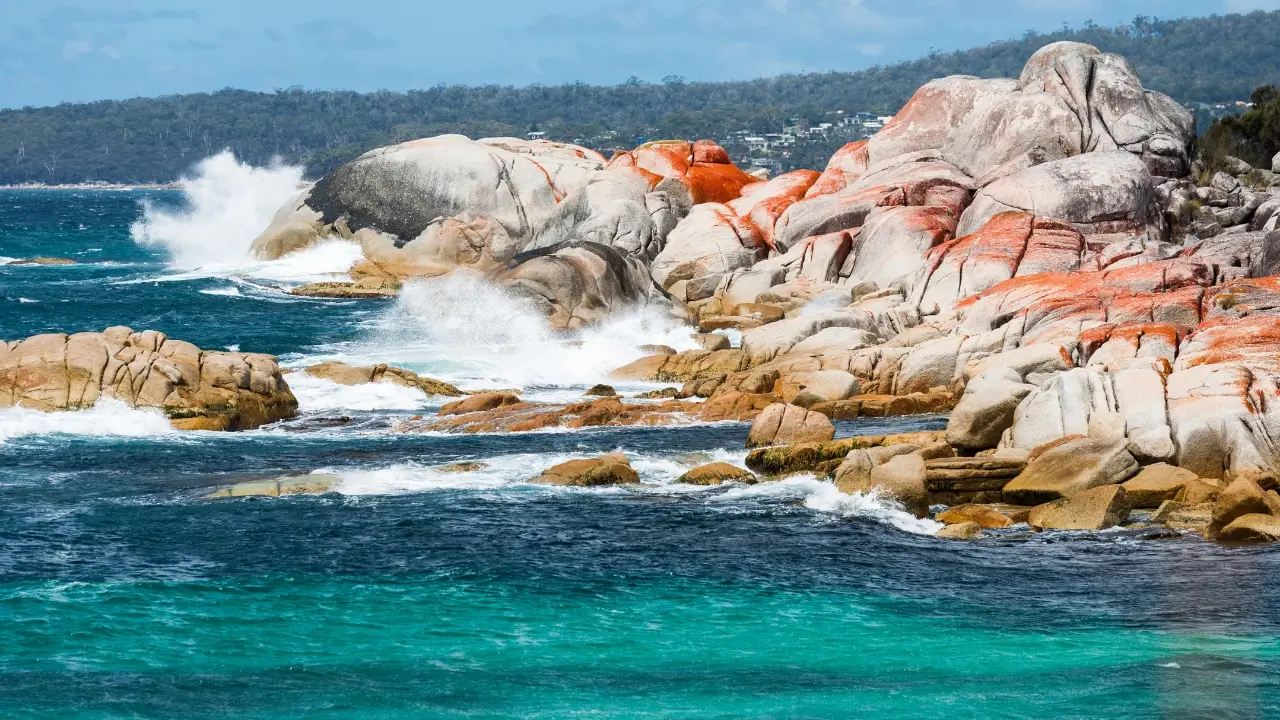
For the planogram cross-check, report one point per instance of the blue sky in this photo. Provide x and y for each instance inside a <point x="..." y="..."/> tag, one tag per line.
<point x="53" y="51"/>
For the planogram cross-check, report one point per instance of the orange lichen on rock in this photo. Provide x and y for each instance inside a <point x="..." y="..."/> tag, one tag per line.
<point x="703" y="166"/>
<point x="844" y="169"/>
<point x="763" y="203"/>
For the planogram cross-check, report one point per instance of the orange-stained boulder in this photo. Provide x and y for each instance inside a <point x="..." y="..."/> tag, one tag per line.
<point x="763" y="203"/>
<point x="843" y="169"/>
<point x="1011" y="244"/>
<point x="704" y="167"/>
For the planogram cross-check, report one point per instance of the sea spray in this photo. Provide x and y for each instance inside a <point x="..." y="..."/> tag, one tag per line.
<point x="319" y="395"/>
<point x="227" y="205"/>
<point x="465" y="329"/>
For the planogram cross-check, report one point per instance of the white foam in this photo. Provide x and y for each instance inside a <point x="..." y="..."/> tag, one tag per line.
<point x="463" y="329"/>
<point x="108" y="418"/>
<point x="27" y="300"/>
<point x="318" y="395"/>
<point x="824" y="497"/>
<point x="228" y="204"/>
<point x="232" y="291"/>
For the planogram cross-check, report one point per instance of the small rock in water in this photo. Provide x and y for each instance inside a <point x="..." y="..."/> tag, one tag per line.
<point x="314" y="484"/>
<point x="657" y="349"/>
<point x="668" y="392"/>
<point x="961" y="531"/>
<point x="715" y="474"/>
<point x="601" y="391"/>
<point x="611" y="469"/>
<point x="461" y="467"/>
<point x="43" y="261"/>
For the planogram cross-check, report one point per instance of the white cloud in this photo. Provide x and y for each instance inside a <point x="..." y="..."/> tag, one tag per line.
<point x="74" y="49"/>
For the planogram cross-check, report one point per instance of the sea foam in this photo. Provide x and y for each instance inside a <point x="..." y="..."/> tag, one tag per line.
<point x="107" y="418"/>
<point x="319" y="395"/>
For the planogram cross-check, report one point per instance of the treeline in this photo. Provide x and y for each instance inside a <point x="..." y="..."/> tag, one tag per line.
<point x="1208" y="60"/>
<point x="1253" y="136"/>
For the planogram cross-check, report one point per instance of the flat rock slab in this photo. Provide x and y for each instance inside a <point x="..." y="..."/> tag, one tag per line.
<point x="1093" y="509"/>
<point x="1071" y="468"/>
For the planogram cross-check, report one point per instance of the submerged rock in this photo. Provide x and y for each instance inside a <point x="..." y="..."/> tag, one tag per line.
<point x="43" y="261"/>
<point x="196" y="389"/>
<point x="314" y="484"/>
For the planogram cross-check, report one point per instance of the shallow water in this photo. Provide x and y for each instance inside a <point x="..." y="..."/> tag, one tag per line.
<point x="416" y="592"/>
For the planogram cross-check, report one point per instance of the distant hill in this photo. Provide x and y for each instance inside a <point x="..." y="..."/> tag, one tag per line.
<point x="1201" y="60"/>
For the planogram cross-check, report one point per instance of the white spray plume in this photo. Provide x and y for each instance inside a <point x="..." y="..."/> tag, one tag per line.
<point x="464" y="329"/>
<point x="227" y="205"/>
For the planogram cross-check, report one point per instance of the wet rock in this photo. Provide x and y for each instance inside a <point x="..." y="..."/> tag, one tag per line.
<point x="1183" y="516"/>
<point x="1157" y="483"/>
<point x="43" y="261"/>
<point x="1241" y="497"/>
<point x="196" y="389"/>
<point x="479" y="403"/>
<point x="601" y="391"/>
<point x="347" y="290"/>
<point x="825" y="457"/>
<point x="1071" y="468"/>
<point x="314" y="484"/>
<point x="960" y="531"/>
<point x="461" y="467"/>
<point x="781" y="423"/>
<point x="1251" y="528"/>
<point x="902" y="479"/>
<point x="986" y="516"/>
<point x="611" y="469"/>
<point x="716" y="474"/>
<point x="526" y="417"/>
<point x="1097" y="508"/>
<point x="669" y="392"/>
<point x="344" y="374"/>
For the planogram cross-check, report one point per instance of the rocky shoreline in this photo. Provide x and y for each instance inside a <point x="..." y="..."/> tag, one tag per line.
<point x="1046" y="259"/>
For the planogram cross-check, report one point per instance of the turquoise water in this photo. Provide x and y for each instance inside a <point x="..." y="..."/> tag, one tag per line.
<point x="417" y="593"/>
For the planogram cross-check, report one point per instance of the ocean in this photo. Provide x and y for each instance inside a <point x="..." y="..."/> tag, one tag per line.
<point x="416" y="592"/>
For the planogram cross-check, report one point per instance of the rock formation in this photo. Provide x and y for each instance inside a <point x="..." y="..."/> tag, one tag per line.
<point x="196" y="389"/>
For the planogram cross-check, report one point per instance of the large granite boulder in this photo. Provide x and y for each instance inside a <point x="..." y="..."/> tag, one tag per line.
<point x="196" y="389"/>
<point x="1070" y="99"/>
<point x="1107" y="194"/>
<point x="401" y="190"/>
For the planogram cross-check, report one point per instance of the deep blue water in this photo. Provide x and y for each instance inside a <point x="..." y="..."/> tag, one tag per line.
<point x="417" y="593"/>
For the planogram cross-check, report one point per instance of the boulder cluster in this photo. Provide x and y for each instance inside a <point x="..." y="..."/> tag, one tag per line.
<point x="1043" y="257"/>
<point x="196" y="389"/>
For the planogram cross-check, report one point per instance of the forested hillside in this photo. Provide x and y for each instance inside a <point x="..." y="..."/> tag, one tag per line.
<point x="1207" y="60"/>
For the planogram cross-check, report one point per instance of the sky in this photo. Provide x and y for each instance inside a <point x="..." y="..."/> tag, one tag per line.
<point x="80" y="50"/>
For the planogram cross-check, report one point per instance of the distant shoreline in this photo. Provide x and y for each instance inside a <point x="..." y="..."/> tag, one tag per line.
<point x="93" y="186"/>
